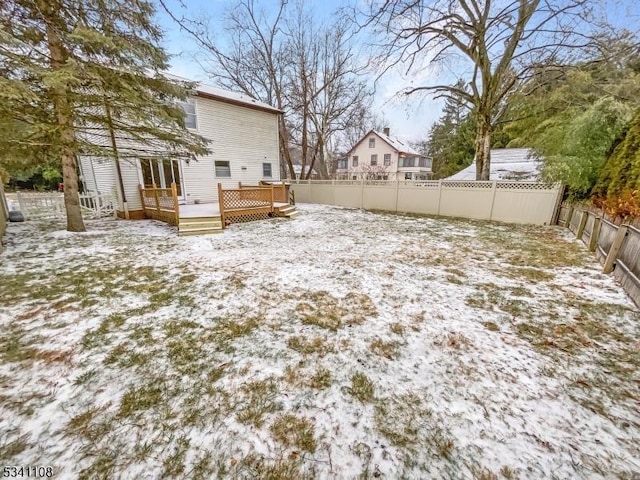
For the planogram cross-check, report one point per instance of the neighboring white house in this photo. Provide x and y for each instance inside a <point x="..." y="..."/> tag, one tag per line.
<point x="515" y="164"/>
<point x="378" y="156"/>
<point x="244" y="148"/>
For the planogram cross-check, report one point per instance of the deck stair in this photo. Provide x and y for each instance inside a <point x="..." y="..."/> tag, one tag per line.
<point x="199" y="225"/>
<point x="288" y="211"/>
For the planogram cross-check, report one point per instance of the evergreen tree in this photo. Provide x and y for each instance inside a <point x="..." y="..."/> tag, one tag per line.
<point x="620" y="176"/>
<point x="82" y="76"/>
<point x="451" y="140"/>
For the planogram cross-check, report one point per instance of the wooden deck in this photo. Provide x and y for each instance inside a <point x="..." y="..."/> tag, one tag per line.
<point x="239" y="205"/>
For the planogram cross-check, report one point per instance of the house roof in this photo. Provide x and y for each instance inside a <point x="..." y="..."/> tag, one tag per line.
<point x="217" y="93"/>
<point x="519" y="164"/>
<point x="395" y="143"/>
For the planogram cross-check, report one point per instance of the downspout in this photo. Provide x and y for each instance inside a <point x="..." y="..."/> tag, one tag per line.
<point x="117" y="160"/>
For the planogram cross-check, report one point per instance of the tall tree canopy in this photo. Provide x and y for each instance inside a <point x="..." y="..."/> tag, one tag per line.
<point x="494" y="47"/>
<point x="79" y="77"/>
<point x="291" y="60"/>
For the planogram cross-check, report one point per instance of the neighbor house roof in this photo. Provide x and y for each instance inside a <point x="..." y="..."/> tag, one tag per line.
<point x="399" y="145"/>
<point x="519" y="164"/>
<point x="217" y="93"/>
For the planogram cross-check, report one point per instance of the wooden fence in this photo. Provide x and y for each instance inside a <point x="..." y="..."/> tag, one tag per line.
<point x="245" y="203"/>
<point x="4" y="214"/>
<point x="616" y="246"/>
<point x="161" y="203"/>
<point x="50" y="205"/>
<point x="512" y="202"/>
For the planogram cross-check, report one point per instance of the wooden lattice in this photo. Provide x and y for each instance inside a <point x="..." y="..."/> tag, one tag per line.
<point x="246" y="198"/>
<point x="240" y="216"/>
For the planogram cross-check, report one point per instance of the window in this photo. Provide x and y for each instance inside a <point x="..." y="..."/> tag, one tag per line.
<point x="372" y="142"/>
<point x="408" y="162"/>
<point x="387" y="159"/>
<point x="374" y="160"/>
<point x="407" y="176"/>
<point x="385" y="177"/>
<point x="425" y="162"/>
<point x="354" y="178"/>
<point x="355" y="160"/>
<point x="223" y="169"/>
<point x="343" y="164"/>
<point x="189" y="108"/>
<point x="266" y="170"/>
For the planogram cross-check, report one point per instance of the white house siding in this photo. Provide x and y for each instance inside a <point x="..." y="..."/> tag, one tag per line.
<point x="363" y="152"/>
<point x="245" y="137"/>
<point x="131" y="179"/>
<point x="98" y="175"/>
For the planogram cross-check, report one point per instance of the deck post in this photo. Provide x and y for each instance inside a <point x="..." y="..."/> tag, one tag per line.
<point x="155" y="194"/>
<point x="221" y="205"/>
<point x="144" y="207"/>
<point x="271" y="198"/>
<point x="176" y="206"/>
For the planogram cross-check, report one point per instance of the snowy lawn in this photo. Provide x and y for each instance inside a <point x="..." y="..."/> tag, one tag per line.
<point x="341" y="344"/>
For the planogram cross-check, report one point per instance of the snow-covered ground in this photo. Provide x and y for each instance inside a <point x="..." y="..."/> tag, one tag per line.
<point x="341" y="344"/>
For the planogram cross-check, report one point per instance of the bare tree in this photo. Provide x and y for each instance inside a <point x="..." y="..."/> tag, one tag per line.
<point x="496" y="46"/>
<point x="289" y="60"/>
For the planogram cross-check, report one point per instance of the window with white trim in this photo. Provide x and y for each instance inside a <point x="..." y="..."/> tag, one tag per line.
<point x="374" y="160"/>
<point x="372" y="142"/>
<point x="189" y="108"/>
<point x="223" y="168"/>
<point x="266" y="170"/>
<point x="387" y="159"/>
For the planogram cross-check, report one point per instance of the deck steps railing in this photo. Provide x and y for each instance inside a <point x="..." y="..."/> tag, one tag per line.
<point x="161" y="203"/>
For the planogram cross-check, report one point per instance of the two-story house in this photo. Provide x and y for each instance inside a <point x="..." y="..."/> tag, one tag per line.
<point x="378" y="156"/>
<point x="244" y="148"/>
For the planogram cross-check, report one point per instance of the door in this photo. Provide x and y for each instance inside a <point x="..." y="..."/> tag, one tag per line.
<point x="162" y="174"/>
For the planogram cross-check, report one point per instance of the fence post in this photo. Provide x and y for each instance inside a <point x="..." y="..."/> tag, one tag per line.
<point x="439" y="196"/>
<point x="362" y="192"/>
<point x="397" y="192"/>
<point x="615" y="248"/>
<point x="595" y="233"/>
<point x="221" y="204"/>
<point x="176" y="207"/>
<point x="494" y="187"/>
<point x="583" y="223"/>
<point x="21" y="204"/>
<point x="569" y="217"/>
<point x="98" y="205"/>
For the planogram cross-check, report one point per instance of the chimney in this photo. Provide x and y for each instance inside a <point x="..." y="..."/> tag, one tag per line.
<point x="386" y="131"/>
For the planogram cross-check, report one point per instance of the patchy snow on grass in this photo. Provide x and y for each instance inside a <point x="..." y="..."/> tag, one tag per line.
<point x="342" y="344"/>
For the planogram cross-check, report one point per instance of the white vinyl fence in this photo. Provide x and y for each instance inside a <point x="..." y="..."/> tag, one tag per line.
<point x="34" y="205"/>
<point x="502" y="201"/>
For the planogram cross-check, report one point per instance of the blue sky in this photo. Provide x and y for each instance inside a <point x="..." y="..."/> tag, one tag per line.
<point x="408" y="119"/>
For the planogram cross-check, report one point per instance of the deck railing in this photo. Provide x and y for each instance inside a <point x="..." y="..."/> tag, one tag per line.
<point x="280" y="190"/>
<point x="161" y="203"/>
<point x="245" y="203"/>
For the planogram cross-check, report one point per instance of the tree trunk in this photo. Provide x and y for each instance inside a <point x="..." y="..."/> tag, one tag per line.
<point x="284" y="146"/>
<point x="483" y="149"/>
<point x="64" y="116"/>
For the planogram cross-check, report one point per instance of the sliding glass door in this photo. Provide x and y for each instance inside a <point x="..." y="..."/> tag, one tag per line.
<point x="162" y="174"/>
